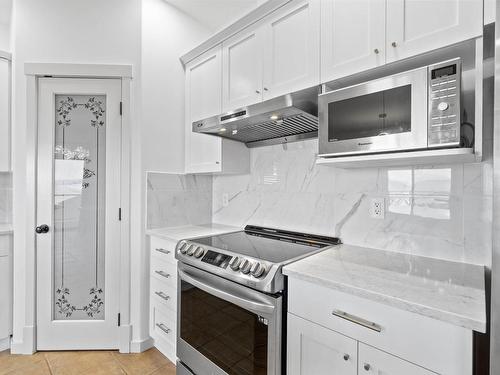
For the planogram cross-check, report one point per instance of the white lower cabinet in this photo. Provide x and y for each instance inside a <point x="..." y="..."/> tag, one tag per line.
<point x="163" y="296"/>
<point x="324" y="325"/>
<point x="5" y="291"/>
<point x="313" y="349"/>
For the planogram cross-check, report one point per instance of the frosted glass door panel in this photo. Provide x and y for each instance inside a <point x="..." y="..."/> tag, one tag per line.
<point x="79" y="207"/>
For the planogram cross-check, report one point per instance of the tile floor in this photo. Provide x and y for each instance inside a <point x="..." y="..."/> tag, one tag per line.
<point x="151" y="362"/>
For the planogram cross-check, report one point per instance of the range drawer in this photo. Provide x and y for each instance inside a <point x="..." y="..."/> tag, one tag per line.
<point x="163" y="324"/>
<point x="163" y="249"/>
<point x="163" y="293"/>
<point x="164" y="271"/>
<point x="433" y="344"/>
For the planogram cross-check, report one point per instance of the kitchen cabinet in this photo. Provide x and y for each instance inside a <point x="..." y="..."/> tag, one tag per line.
<point x="352" y="37"/>
<point x="5" y="291"/>
<point x="313" y="349"/>
<point x="275" y="56"/>
<point x="373" y="361"/>
<point x="415" y="26"/>
<point x="205" y="153"/>
<point x="5" y="115"/>
<point x="405" y="342"/>
<point x="291" y="49"/>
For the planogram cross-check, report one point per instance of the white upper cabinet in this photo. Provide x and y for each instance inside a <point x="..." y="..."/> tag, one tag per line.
<point x="373" y="361"/>
<point x="203" y="99"/>
<point x="242" y="69"/>
<point x="313" y="349"/>
<point x="416" y="26"/>
<point x="352" y="36"/>
<point x="4" y="115"/>
<point x="291" y="48"/>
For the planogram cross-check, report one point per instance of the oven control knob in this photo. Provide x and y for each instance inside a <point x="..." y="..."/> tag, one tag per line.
<point x="199" y="252"/>
<point x="258" y="270"/>
<point x="183" y="247"/>
<point x="191" y="250"/>
<point x="235" y="263"/>
<point x="245" y="266"/>
<point x="443" y="106"/>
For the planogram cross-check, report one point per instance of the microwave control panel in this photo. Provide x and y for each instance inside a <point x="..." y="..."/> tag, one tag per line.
<point x="444" y="104"/>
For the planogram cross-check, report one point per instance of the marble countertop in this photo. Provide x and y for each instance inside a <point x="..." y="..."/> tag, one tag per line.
<point x="6" y="228"/>
<point x="190" y="231"/>
<point x="448" y="291"/>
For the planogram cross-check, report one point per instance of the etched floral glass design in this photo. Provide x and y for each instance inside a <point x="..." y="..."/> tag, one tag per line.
<point x="79" y="207"/>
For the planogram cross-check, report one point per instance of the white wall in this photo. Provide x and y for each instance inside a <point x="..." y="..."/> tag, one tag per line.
<point x="56" y="31"/>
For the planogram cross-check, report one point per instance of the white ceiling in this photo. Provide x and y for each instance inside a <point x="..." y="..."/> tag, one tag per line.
<point x="5" y="10"/>
<point x="214" y="14"/>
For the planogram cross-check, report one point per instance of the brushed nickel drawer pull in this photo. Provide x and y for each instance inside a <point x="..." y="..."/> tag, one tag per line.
<point x="163" y="327"/>
<point x="357" y="320"/>
<point x="163" y="251"/>
<point x="162" y="273"/>
<point x="162" y="295"/>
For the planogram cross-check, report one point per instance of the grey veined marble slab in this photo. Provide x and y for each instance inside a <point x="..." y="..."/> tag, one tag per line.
<point x="191" y="231"/>
<point x="448" y="291"/>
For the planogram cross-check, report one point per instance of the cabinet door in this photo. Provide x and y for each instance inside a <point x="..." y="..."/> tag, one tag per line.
<point x="416" y="26"/>
<point x="203" y="99"/>
<point x="4" y="115"/>
<point x="373" y="361"/>
<point x="352" y="36"/>
<point x="5" y="297"/>
<point x="291" y="49"/>
<point x="242" y="69"/>
<point x="313" y="349"/>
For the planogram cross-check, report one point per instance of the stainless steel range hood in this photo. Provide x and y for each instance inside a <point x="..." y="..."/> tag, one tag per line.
<point x="287" y="118"/>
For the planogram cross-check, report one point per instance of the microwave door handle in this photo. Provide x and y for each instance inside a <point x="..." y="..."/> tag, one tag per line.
<point x="244" y="301"/>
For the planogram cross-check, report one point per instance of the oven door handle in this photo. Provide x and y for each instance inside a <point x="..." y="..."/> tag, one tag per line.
<point x="245" y="298"/>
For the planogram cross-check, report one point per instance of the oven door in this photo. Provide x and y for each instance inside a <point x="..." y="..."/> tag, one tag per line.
<point x="387" y="114"/>
<point x="226" y="328"/>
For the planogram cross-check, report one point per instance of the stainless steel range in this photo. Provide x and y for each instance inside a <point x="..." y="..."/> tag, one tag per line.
<point x="232" y="299"/>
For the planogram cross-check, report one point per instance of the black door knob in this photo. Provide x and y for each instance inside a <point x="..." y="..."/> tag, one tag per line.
<point x="44" y="228"/>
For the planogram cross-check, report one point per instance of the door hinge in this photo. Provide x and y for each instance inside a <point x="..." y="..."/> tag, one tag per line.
<point x="119" y="320"/>
<point x="120" y="214"/>
<point x="121" y="108"/>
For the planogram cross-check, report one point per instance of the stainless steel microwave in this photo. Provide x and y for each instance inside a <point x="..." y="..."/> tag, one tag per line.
<point x="414" y="110"/>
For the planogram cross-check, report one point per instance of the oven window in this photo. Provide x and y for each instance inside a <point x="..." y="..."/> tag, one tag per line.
<point x="378" y="114"/>
<point x="229" y="336"/>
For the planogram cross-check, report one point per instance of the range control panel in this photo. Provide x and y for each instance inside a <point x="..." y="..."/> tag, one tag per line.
<point x="444" y="104"/>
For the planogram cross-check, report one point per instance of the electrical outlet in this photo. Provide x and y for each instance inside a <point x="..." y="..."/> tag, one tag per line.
<point x="225" y="199"/>
<point x="377" y="208"/>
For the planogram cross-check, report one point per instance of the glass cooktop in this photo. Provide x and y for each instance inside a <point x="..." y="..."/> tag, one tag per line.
<point x="276" y="247"/>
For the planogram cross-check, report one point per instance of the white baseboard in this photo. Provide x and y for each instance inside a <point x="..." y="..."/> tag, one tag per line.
<point x="27" y="343"/>
<point x="139" y="346"/>
<point x="4" y="344"/>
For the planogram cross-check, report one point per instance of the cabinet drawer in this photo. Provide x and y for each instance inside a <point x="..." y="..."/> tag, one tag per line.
<point x="163" y="293"/>
<point x="163" y="249"/>
<point x="436" y="345"/>
<point x="164" y="271"/>
<point x="163" y="324"/>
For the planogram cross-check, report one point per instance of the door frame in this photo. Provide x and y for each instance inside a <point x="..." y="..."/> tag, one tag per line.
<point x="25" y="264"/>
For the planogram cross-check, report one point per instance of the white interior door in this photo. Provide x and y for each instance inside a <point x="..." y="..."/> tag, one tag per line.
<point x="78" y="199"/>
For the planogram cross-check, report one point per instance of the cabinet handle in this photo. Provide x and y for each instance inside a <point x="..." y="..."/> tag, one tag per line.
<point x="376" y="51"/>
<point x="163" y="251"/>
<point x="163" y="327"/>
<point x="162" y="295"/>
<point x="266" y="89"/>
<point x="367" y="367"/>
<point x="346" y="357"/>
<point x="162" y="273"/>
<point x="357" y="320"/>
<point x="257" y="91"/>
<point x="394" y="44"/>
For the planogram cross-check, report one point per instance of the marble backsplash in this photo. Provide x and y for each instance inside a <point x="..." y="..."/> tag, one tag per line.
<point x="176" y="200"/>
<point x="440" y="211"/>
<point x="5" y="198"/>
